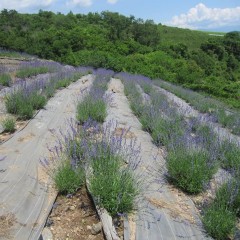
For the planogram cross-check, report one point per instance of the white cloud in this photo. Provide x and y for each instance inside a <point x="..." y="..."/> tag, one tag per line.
<point x="83" y="3"/>
<point x="202" y="17"/>
<point x="23" y="4"/>
<point x="112" y="1"/>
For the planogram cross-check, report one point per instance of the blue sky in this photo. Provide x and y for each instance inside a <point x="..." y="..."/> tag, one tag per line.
<point x="221" y="15"/>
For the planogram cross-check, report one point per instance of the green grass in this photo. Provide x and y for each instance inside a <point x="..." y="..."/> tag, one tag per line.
<point x="66" y="179"/>
<point x="5" y="79"/>
<point x="9" y="124"/>
<point x="91" y="108"/>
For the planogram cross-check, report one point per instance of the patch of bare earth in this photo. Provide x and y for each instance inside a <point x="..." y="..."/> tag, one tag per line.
<point x="6" y="223"/>
<point x="74" y="217"/>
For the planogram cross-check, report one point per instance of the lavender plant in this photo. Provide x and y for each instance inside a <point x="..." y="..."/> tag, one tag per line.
<point x="188" y="153"/>
<point x="223" y="115"/>
<point x="108" y="156"/>
<point x="103" y="156"/>
<point x="94" y="105"/>
<point x="30" y="96"/>
<point x="220" y="215"/>
<point x="9" y="124"/>
<point x="33" y="68"/>
<point x="5" y="79"/>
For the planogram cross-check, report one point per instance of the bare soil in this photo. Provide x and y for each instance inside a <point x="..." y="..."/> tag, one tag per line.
<point x="6" y="223"/>
<point x="73" y="216"/>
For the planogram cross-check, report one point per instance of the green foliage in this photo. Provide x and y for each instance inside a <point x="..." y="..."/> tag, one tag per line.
<point x="9" y="124"/>
<point x="23" y="106"/>
<point x="230" y="152"/>
<point x="220" y="216"/>
<point x="117" y="197"/>
<point x="219" y="222"/>
<point x="189" y="169"/>
<point x="66" y="179"/>
<point x="62" y="83"/>
<point x="191" y="58"/>
<point x="5" y="79"/>
<point x="91" y="108"/>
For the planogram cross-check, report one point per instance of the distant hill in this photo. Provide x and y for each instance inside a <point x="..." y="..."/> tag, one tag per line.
<point x="194" y="59"/>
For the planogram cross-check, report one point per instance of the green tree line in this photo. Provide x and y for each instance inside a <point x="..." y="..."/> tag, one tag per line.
<point x="193" y="59"/>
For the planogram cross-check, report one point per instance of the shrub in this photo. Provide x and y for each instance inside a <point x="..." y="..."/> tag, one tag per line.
<point x="230" y="154"/>
<point x="37" y="101"/>
<point x="91" y="108"/>
<point x="165" y="131"/>
<point x="63" y="83"/>
<point x="5" y="79"/>
<point x="31" y="71"/>
<point x="219" y="222"/>
<point x="25" y="111"/>
<point x="66" y="179"/>
<point x="228" y="196"/>
<point x="23" y="105"/>
<point x="9" y="124"/>
<point x="189" y="169"/>
<point x="117" y="197"/>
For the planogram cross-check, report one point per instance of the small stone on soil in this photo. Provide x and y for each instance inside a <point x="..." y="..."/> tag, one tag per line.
<point x="96" y="228"/>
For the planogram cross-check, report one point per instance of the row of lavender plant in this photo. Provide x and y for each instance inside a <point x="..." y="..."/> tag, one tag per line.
<point x="94" y="106"/>
<point x="14" y="54"/>
<point x="92" y="145"/>
<point x="218" y="111"/>
<point x="27" y="97"/>
<point x="32" y="68"/>
<point x="192" y="154"/>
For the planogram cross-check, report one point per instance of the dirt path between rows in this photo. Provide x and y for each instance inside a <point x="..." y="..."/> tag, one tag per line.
<point x="26" y="195"/>
<point x="163" y="212"/>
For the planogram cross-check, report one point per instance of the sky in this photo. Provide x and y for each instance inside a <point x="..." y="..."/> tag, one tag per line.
<point x="210" y="15"/>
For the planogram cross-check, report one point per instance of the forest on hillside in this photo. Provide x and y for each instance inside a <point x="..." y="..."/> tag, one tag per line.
<point x="193" y="59"/>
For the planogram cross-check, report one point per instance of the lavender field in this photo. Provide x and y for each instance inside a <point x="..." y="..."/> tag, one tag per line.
<point x="158" y="161"/>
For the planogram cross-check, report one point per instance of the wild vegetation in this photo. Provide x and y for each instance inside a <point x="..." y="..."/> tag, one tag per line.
<point x="110" y="40"/>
